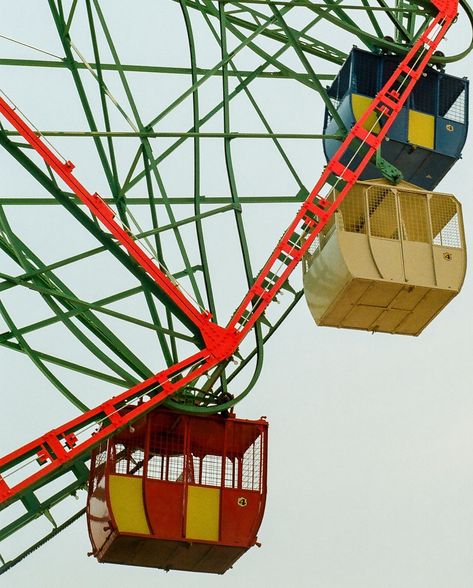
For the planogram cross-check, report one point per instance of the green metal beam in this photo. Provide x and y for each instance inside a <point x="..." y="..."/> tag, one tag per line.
<point x="292" y="37"/>
<point x="35" y="508"/>
<point x="79" y="307"/>
<point x="309" y="44"/>
<point x="26" y="348"/>
<point x="151" y="69"/>
<point x="65" y="40"/>
<point x="101" y="236"/>
<point x="70" y="365"/>
<point x="243" y="85"/>
<point x="26" y="259"/>
<point x="141" y="200"/>
<point x="147" y="153"/>
<point x="120" y="199"/>
<point x="308" y="4"/>
<point x="188" y="135"/>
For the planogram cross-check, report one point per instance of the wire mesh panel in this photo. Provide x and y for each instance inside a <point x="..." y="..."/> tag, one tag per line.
<point x="352" y="215"/>
<point x="453" y="99"/>
<point x="365" y="74"/>
<point x="339" y="87"/>
<point x="118" y="459"/>
<point x="232" y="472"/>
<point x="166" y="447"/>
<point x="414" y="217"/>
<point x="424" y="94"/>
<point x="445" y="217"/>
<point x="251" y="478"/>
<point x="206" y="445"/>
<point x="244" y="469"/>
<point x="99" y="460"/>
<point x="383" y="219"/>
<point x="127" y="456"/>
<point x="211" y="471"/>
<point x="457" y="112"/>
<point x="396" y="213"/>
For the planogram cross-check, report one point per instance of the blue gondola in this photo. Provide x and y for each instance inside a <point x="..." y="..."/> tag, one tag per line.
<point x="429" y="133"/>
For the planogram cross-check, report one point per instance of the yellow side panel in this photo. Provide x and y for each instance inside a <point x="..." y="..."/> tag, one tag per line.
<point x="126" y="501"/>
<point x="421" y="129"/>
<point x="359" y="105"/>
<point x="203" y="513"/>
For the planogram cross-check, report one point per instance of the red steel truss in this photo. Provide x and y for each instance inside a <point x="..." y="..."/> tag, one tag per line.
<point x="56" y="451"/>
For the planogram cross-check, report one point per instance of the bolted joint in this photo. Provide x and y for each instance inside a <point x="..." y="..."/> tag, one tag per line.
<point x="220" y="342"/>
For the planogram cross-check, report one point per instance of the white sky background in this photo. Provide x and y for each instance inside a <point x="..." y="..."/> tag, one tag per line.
<point x="371" y="462"/>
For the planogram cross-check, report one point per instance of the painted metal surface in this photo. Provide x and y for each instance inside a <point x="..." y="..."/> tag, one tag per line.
<point x="126" y="503"/>
<point x="175" y="485"/>
<point x="428" y="135"/>
<point x="203" y="513"/>
<point x="393" y="259"/>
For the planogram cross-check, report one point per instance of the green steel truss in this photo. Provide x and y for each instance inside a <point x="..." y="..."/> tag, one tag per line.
<point x="253" y="49"/>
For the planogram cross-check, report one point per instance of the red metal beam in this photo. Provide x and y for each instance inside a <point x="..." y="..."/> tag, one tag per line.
<point x="60" y="447"/>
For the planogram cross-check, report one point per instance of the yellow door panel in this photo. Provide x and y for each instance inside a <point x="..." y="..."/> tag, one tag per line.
<point x="203" y="513"/>
<point x="126" y="502"/>
<point x="359" y="105"/>
<point x="421" y="129"/>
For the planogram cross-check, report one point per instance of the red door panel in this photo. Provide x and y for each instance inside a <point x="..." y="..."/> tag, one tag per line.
<point x="164" y="504"/>
<point x="240" y="517"/>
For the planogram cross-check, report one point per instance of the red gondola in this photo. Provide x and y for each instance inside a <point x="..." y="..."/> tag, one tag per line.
<point x="176" y="491"/>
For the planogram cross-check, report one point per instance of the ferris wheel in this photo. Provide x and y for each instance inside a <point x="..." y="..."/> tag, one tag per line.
<point x="146" y="167"/>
